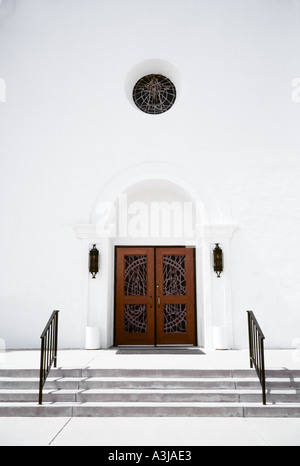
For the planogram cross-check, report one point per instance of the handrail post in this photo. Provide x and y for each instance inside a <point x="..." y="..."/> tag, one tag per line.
<point x="263" y="372"/>
<point x="56" y="339"/>
<point x="250" y="340"/>
<point x="41" y="372"/>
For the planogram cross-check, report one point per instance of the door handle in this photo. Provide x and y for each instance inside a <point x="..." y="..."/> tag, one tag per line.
<point x="158" y="300"/>
<point x="151" y="302"/>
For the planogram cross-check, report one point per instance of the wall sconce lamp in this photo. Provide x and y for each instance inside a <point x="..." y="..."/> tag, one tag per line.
<point x="94" y="261"/>
<point x="218" y="260"/>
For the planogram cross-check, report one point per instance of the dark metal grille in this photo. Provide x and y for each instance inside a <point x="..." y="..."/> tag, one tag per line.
<point x="154" y="94"/>
<point x="135" y="276"/>
<point x="175" y="318"/>
<point x="135" y="318"/>
<point x="174" y="276"/>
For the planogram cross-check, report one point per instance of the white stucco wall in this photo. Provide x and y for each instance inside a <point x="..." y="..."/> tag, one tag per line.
<point x="68" y="127"/>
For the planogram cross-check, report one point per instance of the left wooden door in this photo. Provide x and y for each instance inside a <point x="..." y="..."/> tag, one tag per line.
<point x="135" y="296"/>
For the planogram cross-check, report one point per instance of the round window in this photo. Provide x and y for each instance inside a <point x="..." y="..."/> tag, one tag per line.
<point x="154" y="94"/>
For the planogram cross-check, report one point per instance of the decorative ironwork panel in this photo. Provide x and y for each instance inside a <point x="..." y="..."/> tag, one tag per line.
<point x="174" y="276"/>
<point x="135" y="318"/>
<point x="154" y="94"/>
<point x="135" y="276"/>
<point x="175" y="318"/>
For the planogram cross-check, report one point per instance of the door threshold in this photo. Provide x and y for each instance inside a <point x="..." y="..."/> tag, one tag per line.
<point x="175" y="346"/>
<point x="154" y="346"/>
<point x="157" y="350"/>
<point x="135" y="346"/>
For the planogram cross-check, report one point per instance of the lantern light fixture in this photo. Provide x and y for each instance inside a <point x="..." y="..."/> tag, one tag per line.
<point x="94" y="261"/>
<point x="218" y="260"/>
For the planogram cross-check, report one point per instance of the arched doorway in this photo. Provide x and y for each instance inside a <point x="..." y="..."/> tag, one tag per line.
<point x="157" y="206"/>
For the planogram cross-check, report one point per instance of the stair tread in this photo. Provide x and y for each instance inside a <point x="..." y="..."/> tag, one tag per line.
<point x="160" y="378"/>
<point x="151" y="403"/>
<point x="36" y="379"/>
<point x="148" y="391"/>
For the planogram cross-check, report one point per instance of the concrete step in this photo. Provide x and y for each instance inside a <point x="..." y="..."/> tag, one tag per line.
<point x="163" y="373"/>
<point x="185" y="396"/>
<point x="84" y="396"/>
<point x="173" y="383"/>
<point x="149" y="395"/>
<point x="85" y="383"/>
<point x="33" y="383"/>
<point x="148" y="373"/>
<point x="35" y="373"/>
<point x="157" y="396"/>
<point x="149" y="410"/>
<point x="271" y="383"/>
<point x="187" y="410"/>
<point x="155" y="383"/>
<point x="129" y="392"/>
<point x="116" y="383"/>
<point x="31" y="396"/>
<point x="185" y="373"/>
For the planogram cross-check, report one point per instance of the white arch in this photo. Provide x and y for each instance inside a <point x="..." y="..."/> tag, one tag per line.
<point x="213" y="295"/>
<point x="197" y="190"/>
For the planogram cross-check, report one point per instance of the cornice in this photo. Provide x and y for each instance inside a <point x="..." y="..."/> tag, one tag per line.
<point x="213" y="232"/>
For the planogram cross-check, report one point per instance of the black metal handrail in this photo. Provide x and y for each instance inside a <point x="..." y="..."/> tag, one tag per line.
<point x="257" y="352"/>
<point x="49" y="339"/>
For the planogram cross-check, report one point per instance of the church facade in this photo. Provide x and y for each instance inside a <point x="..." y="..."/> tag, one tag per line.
<point x="150" y="171"/>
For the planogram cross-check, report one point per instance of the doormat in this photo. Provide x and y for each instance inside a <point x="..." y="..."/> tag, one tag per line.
<point x="153" y="351"/>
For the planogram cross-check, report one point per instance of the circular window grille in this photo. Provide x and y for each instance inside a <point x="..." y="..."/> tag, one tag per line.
<point x="154" y="94"/>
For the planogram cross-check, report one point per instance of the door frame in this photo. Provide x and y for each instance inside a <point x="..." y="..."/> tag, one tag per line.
<point x="155" y="247"/>
<point x="214" y="295"/>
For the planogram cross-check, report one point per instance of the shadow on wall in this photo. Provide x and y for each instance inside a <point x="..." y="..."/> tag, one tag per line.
<point x="7" y="7"/>
<point x="256" y="286"/>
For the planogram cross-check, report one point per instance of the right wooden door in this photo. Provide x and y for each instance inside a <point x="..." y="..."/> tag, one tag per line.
<point x="175" y="296"/>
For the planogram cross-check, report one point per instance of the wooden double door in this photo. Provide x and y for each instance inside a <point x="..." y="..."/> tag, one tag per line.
<point x="155" y="296"/>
